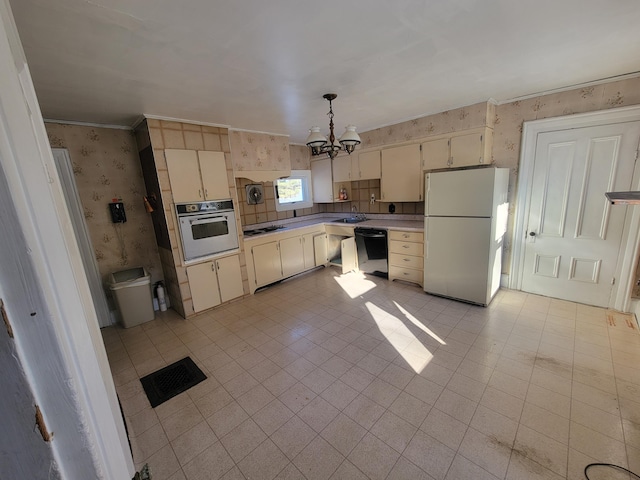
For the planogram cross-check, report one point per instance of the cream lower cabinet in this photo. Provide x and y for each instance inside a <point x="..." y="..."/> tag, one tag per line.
<point x="406" y="256"/>
<point x="308" y="251"/>
<point x="266" y="263"/>
<point x="229" y="277"/>
<point x="401" y="174"/>
<point x="291" y="256"/>
<point x="212" y="283"/>
<point x="320" y="249"/>
<point x="282" y="255"/>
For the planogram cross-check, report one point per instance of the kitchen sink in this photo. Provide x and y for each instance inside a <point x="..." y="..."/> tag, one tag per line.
<point x="350" y="220"/>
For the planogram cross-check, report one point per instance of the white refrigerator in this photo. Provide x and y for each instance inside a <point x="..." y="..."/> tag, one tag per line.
<point x="465" y="223"/>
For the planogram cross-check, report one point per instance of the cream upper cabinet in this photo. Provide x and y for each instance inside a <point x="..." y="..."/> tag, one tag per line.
<point x="462" y="149"/>
<point x="401" y="173"/>
<point x="184" y="175"/>
<point x="436" y="154"/>
<point x="213" y="169"/>
<point x="203" y="283"/>
<point x="197" y="176"/>
<point x="341" y="169"/>
<point x="365" y="166"/>
<point x="321" y="181"/>
<point x="229" y="277"/>
<point x="292" y="256"/>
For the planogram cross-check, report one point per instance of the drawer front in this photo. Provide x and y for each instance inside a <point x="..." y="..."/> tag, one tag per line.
<point x="406" y="261"/>
<point x="417" y="237"/>
<point x="407" y="274"/>
<point x="406" y="248"/>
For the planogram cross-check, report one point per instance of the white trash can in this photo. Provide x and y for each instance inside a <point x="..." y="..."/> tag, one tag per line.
<point x="131" y="290"/>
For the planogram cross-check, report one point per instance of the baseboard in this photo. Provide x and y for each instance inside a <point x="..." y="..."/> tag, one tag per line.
<point x="634" y="307"/>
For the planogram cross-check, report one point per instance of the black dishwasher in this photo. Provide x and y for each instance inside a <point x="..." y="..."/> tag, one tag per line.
<point x="371" y="244"/>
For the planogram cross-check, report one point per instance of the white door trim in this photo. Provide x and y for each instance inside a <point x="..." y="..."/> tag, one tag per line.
<point x="57" y="335"/>
<point x="69" y="187"/>
<point x="621" y="293"/>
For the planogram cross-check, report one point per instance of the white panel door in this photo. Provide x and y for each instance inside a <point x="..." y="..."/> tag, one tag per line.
<point x="573" y="232"/>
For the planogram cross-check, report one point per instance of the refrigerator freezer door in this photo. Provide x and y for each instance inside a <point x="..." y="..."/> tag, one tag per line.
<point x="461" y="260"/>
<point x="460" y="193"/>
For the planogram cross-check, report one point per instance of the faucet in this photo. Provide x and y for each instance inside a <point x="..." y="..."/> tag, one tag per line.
<point x="355" y="214"/>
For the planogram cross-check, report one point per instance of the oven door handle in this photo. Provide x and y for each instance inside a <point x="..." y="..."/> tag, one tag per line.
<point x="199" y="220"/>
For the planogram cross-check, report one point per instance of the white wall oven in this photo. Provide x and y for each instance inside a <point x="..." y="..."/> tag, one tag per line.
<point x="207" y="228"/>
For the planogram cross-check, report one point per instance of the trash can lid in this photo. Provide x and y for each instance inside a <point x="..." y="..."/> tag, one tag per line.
<point x="128" y="275"/>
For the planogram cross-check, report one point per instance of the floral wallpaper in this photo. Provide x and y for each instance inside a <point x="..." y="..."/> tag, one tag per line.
<point x="508" y="124"/>
<point x="106" y="166"/>
<point x="259" y="151"/>
<point x="463" y="118"/>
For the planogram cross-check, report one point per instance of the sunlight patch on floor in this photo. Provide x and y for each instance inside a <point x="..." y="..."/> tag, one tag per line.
<point x="420" y="325"/>
<point x="400" y="337"/>
<point x="355" y="284"/>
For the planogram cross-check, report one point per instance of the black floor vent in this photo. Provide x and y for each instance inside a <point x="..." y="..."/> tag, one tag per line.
<point x="169" y="381"/>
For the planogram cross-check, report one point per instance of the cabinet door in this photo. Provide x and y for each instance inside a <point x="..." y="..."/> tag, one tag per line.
<point x="466" y="150"/>
<point x="229" y="278"/>
<point x="341" y="169"/>
<point x="308" y="251"/>
<point x="368" y="166"/>
<point x="213" y="169"/>
<point x="435" y="154"/>
<point x="401" y="172"/>
<point x="184" y="175"/>
<point x="321" y="181"/>
<point x="204" y="286"/>
<point x="266" y="263"/>
<point x="320" y="249"/>
<point x="292" y="256"/>
<point x="349" y="255"/>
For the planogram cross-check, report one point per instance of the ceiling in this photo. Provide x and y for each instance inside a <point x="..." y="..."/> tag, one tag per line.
<point x="264" y="65"/>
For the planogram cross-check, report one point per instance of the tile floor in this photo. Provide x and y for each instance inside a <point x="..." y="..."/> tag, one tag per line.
<point x="346" y="377"/>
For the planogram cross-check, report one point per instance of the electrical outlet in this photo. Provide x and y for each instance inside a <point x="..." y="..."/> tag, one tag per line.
<point x="373" y="198"/>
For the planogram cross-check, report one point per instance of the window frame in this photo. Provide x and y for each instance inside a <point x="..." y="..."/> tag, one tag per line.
<point x="307" y="192"/>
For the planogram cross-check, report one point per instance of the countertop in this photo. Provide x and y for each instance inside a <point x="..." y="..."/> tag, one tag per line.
<point x="413" y="223"/>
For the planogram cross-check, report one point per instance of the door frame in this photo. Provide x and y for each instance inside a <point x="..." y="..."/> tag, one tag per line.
<point x="620" y="298"/>
<point x="69" y="187"/>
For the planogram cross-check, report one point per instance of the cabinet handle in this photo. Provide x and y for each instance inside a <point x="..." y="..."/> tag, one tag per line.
<point x="213" y="268"/>
<point x="405" y="246"/>
<point x="206" y="193"/>
<point x="406" y="259"/>
<point x="199" y="193"/>
<point x="218" y="265"/>
<point x="405" y="235"/>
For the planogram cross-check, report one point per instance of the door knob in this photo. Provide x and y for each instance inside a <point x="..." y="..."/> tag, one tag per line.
<point x="532" y="234"/>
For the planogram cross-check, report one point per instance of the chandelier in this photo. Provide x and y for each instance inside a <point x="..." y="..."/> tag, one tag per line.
<point x="319" y="144"/>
